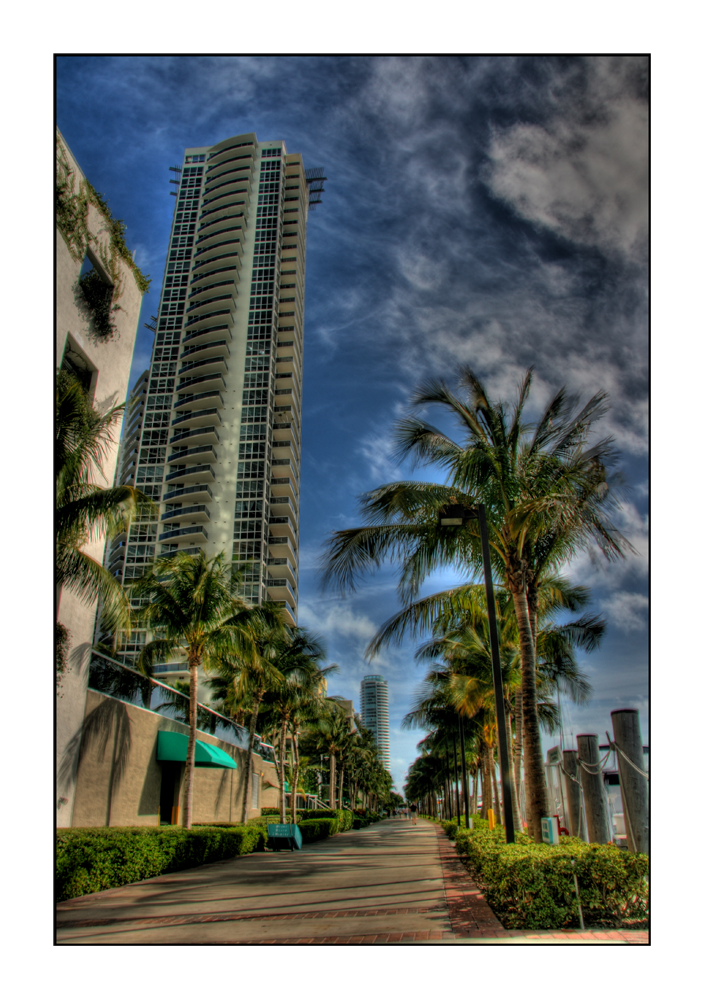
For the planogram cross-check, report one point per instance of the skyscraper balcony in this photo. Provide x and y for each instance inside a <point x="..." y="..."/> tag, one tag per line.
<point x="198" y="402"/>
<point x="219" y="299"/>
<point x="286" y="526"/>
<point x="206" y="349"/>
<point x="197" y="418"/>
<point x="286" y="467"/>
<point x="194" y="493"/>
<point x="214" y="381"/>
<point x="280" y="547"/>
<point x="212" y="316"/>
<point x="228" y="204"/>
<point x="280" y="590"/>
<point x="283" y="486"/>
<point x="202" y="453"/>
<point x="197" y="513"/>
<point x="282" y="566"/>
<point x="228" y="181"/>
<point x="283" y="505"/>
<point x="207" y="274"/>
<point x="219" y="237"/>
<point x="208" y="334"/>
<point x="228" y="258"/>
<point x="190" y="533"/>
<point x="196" y="435"/>
<point x="236" y="153"/>
<point x="191" y="474"/>
<point x="205" y="366"/>
<point x="287" y="365"/>
<point x="282" y="450"/>
<point x="217" y="285"/>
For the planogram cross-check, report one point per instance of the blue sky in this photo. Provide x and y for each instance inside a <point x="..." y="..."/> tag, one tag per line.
<point x="483" y="210"/>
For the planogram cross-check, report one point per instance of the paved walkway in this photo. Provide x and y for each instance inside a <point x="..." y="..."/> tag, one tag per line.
<point x="390" y="883"/>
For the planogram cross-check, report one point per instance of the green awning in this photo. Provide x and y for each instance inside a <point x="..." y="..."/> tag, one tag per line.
<point x="174" y="746"/>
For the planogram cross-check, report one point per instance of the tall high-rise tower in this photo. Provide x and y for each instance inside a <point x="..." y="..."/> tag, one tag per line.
<point x="374" y="712"/>
<point x="220" y="443"/>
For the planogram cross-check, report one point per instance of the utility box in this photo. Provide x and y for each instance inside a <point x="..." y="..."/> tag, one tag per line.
<point x="549" y="829"/>
<point x="283" y="836"/>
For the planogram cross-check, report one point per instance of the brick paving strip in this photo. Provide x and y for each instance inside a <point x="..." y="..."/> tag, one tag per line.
<point x="409" y="885"/>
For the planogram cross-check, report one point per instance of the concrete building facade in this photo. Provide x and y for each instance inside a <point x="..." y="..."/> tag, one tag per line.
<point x="374" y="712"/>
<point x="99" y="351"/>
<point x="219" y="444"/>
<point x="131" y="754"/>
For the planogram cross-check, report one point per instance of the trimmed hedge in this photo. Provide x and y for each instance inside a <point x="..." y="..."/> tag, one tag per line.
<point x="531" y="886"/>
<point x="318" y="829"/>
<point x="451" y="826"/>
<point x="344" y="817"/>
<point x="93" y="859"/>
<point x="364" y="817"/>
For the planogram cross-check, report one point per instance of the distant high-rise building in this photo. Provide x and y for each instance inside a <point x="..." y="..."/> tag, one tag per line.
<point x="374" y="712"/>
<point x="220" y="438"/>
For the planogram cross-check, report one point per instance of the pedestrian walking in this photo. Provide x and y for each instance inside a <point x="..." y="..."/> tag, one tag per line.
<point x="413" y="813"/>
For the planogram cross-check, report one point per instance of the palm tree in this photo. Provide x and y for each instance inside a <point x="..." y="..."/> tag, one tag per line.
<point x="84" y="509"/>
<point x="547" y="495"/>
<point x="190" y="604"/>
<point x="252" y="676"/>
<point x="297" y="657"/>
<point x="363" y="763"/>
<point x="459" y="623"/>
<point x="329" y="733"/>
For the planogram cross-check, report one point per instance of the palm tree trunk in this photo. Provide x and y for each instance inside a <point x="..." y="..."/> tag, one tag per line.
<point x="193" y="665"/>
<point x="537" y="798"/>
<point x="297" y="768"/>
<point x="455" y="777"/>
<point x="464" y="768"/>
<point x="499" y="806"/>
<point x="332" y="780"/>
<point x="516" y="774"/>
<point x="248" y="760"/>
<point x="282" y="771"/>
<point x="487" y="800"/>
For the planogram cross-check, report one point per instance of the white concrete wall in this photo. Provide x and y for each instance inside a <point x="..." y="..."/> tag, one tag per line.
<point x="111" y="361"/>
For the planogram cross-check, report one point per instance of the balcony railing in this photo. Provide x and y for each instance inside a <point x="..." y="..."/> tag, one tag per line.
<point x="188" y="491"/>
<point x="191" y="530"/>
<point x="195" y="510"/>
<point x="112" y="678"/>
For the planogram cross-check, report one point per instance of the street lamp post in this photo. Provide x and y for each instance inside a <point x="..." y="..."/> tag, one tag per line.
<point x="456" y="514"/>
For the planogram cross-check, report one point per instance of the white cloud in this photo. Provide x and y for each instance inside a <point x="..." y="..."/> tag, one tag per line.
<point x="627" y="611"/>
<point x="337" y="620"/>
<point x="584" y="176"/>
<point x="378" y="464"/>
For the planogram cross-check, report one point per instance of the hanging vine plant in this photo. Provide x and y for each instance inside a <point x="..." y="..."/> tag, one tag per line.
<point x="98" y="299"/>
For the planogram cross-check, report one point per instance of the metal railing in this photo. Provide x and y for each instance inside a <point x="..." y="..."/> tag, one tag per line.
<point x="116" y="680"/>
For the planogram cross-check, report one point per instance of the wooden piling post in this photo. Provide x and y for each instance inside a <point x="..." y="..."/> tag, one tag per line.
<point x="633" y="785"/>
<point x="572" y="790"/>
<point x="594" y="795"/>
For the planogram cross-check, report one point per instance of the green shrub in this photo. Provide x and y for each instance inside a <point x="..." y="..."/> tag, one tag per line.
<point x="343" y="816"/>
<point x="90" y="860"/>
<point x="531" y="885"/>
<point x="318" y="829"/>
